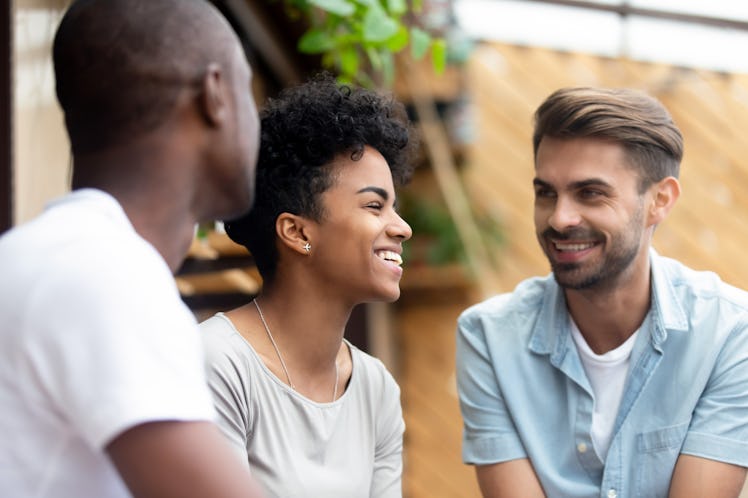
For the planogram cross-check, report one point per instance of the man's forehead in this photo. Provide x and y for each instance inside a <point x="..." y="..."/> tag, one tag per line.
<point x="581" y="156"/>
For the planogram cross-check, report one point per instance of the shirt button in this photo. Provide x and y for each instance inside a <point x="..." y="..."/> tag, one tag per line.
<point x="582" y="448"/>
<point x="612" y="493"/>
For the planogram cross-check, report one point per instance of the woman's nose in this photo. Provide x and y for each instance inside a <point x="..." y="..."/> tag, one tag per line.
<point x="399" y="228"/>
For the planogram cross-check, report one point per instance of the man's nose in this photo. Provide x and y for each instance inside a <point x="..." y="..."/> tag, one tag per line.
<point x="565" y="214"/>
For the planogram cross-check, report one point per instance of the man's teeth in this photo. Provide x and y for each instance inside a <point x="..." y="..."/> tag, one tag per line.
<point x="390" y="256"/>
<point x="572" y="247"/>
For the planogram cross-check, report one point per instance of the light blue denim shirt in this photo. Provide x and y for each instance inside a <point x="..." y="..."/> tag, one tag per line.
<point x="524" y="393"/>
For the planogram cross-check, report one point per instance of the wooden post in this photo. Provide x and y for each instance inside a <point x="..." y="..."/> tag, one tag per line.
<point x="436" y="140"/>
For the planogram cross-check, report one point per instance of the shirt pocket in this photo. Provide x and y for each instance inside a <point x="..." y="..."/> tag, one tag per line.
<point x="657" y="452"/>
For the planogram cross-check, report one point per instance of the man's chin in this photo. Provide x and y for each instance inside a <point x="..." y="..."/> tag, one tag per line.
<point x="240" y="205"/>
<point x="568" y="276"/>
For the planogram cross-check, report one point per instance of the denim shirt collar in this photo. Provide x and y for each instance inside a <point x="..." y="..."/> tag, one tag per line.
<point x="669" y="313"/>
<point x="551" y="332"/>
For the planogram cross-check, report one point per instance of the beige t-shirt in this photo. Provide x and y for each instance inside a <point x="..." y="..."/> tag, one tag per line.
<point x="296" y="447"/>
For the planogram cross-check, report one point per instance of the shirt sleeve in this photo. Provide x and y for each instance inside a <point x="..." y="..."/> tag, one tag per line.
<point x="719" y="426"/>
<point x="388" y="457"/>
<point x="112" y="345"/>
<point x="229" y="387"/>
<point x="489" y="434"/>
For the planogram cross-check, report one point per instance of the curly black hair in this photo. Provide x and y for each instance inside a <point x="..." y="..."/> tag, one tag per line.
<point x="302" y="132"/>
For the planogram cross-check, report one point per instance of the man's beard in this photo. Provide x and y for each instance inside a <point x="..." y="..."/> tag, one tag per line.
<point x="622" y="251"/>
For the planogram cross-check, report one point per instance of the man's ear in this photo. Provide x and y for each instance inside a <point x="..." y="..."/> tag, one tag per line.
<point x="664" y="194"/>
<point x="294" y="232"/>
<point x="214" y="102"/>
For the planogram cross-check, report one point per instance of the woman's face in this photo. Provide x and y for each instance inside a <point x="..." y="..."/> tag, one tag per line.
<point x="358" y="244"/>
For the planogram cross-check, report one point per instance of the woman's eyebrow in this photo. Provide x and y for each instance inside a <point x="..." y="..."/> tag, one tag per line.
<point x="377" y="190"/>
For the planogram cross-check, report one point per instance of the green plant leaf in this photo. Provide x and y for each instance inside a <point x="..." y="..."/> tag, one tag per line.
<point x="374" y="58"/>
<point x="344" y="79"/>
<point x="388" y="67"/>
<point x="399" y="40"/>
<point x="342" y="8"/>
<point x="315" y="41"/>
<point x="328" y="60"/>
<point x="348" y="32"/>
<point x="364" y="80"/>
<point x="397" y="7"/>
<point x="419" y="43"/>
<point x="378" y="26"/>
<point x="435" y="238"/>
<point x="439" y="55"/>
<point x="349" y="61"/>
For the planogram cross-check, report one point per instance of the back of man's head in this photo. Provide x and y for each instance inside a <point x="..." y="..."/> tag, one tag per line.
<point x="121" y="64"/>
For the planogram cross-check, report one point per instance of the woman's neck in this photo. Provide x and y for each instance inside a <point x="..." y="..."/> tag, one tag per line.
<point x="307" y="329"/>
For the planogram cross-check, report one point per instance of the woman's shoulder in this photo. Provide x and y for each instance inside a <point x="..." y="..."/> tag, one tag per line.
<point x="222" y="343"/>
<point x="378" y="394"/>
<point x="371" y="371"/>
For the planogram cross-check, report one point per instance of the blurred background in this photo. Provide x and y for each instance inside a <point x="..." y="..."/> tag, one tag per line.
<point x="471" y="73"/>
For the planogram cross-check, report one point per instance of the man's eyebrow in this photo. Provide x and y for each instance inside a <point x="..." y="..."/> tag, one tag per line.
<point x="591" y="182"/>
<point x="377" y="190"/>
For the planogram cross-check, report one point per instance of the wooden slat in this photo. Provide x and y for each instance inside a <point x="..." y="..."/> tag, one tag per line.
<point x="433" y="465"/>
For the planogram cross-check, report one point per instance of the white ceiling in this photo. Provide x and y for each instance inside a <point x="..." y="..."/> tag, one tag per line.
<point x="607" y="33"/>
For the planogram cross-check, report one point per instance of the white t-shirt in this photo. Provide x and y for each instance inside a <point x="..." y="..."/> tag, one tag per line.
<point x="607" y="375"/>
<point x="94" y="340"/>
<point x="295" y="447"/>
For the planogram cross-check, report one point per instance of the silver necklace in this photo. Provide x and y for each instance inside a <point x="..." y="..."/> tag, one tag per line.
<point x="283" y="363"/>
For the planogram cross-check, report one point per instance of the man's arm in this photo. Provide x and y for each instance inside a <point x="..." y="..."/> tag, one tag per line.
<point x="489" y="433"/>
<point x="512" y="479"/>
<point x="699" y="477"/>
<point x="179" y="460"/>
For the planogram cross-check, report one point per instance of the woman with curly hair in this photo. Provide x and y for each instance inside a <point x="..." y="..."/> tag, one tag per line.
<point x="312" y="415"/>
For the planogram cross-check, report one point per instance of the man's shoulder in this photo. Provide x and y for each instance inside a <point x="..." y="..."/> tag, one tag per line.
<point x="66" y="258"/>
<point x="526" y="299"/>
<point x="78" y="223"/>
<point x="699" y="285"/>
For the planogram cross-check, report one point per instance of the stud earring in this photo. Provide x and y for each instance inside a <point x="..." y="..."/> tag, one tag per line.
<point x="308" y="247"/>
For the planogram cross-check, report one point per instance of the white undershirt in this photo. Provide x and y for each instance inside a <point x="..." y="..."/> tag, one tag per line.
<point x="607" y="375"/>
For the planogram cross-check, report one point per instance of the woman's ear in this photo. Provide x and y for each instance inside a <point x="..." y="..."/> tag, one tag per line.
<point x="294" y="232"/>
<point x="664" y="194"/>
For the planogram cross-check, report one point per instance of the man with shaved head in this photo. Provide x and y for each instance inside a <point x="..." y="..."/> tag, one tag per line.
<point x="101" y="382"/>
